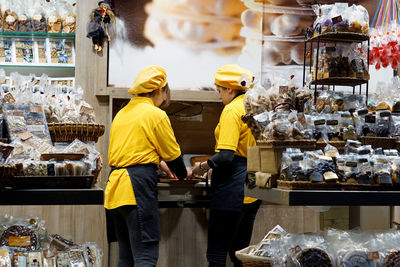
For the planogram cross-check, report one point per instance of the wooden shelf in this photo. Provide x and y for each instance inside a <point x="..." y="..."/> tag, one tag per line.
<point x="176" y="95"/>
<point x="339" y="81"/>
<point x="350" y="37"/>
<point x="325" y="197"/>
<point x="93" y="196"/>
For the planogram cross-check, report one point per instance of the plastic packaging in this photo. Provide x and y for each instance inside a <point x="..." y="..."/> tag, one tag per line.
<point x="382" y="170"/>
<point x="10" y="23"/>
<point x="93" y="254"/>
<point x="24" y="19"/>
<point x="384" y="125"/>
<point x="53" y="18"/>
<point x="38" y="17"/>
<point x="68" y="15"/>
<point x="351" y="147"/>
<point x="5" y="257"/>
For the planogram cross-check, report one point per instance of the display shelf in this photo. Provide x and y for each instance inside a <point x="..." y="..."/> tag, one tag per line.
<point x="350" y="37"/>
<point x="93" y="196"/>
<point x="340" y="81"/>
<point x="176" y="95"/>
<point x="325" y="197"/>
<point x="52" y="70"/>
<point x="39" y="35"/>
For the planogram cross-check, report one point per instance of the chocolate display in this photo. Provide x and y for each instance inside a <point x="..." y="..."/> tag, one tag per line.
<point x="18" y="236"/>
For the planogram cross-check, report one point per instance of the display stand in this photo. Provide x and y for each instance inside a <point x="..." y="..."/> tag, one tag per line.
<point x="341" y="37"/>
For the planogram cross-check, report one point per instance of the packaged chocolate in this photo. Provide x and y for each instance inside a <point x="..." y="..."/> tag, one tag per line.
<point x="352" y="146"/>
<point x="5" y="257"/>
<point x="341" y="167"/>
<point x="53" y="18"/>
<point x="76" y="257"/>
<point x="384" y="124"/>
<point x="50" y="257"/>
<point x="365" y="150"/>
<point x="42" y="52"/>
<point x="391" y="152"/>
<point x="6" y="51"/>
<point x="24" y="51"/>
<point x="320" y="133"/>
<point x="332" y="127"/>
<point x="61" y="51"/>
<point x="68" y="14"/>
<point x="19" y="260"/>
<point x="24" y="19"/>
<point x="78" y="168"/>
<point x="39" y="23"/>
<point x="92" y="255"/>
<point x="364" y="172"/>
<point x="382" y="170"/>
<point x="10" y="23"/>
<point x="292" y="166"/>
<point x="19" y="237"/>
<point x="69" y="168"/>
<point x="15" y="122"/>
<point x="5" y="152"/>
<point x="35" y="259"/>
<point x="331" y="151"/>
<point x="354" y="102"/>
<point x="60" y="243"/>
<point x="60" y="169"/>
<point x="63" y="259"/>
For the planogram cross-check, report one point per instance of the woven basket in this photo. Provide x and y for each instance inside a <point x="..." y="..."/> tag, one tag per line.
<point x="68" y="132"/>
<point x="251" y="260"/>
<point x="377" y="142"/>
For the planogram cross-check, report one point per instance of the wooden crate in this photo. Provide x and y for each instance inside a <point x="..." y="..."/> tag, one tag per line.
<point x="377" y="142"/>
<point x="267" y="156"/>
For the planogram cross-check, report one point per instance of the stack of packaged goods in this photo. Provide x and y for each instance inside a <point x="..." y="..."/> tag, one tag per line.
<point x="29" y="105"/>
<point x="26" y="242"/>
<point x="329" y="248"/>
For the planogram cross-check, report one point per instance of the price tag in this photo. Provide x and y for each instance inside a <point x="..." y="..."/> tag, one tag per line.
<point x="374" y="255"/>
<point x="25" y="135"/>
<point x="86" y="110"/>
<point x="18" y="150"/>
<point x="337" y="19"/>
<point x="9" y="98"/>
<point x="35" y="109"/>
<point x="295" y="250"/>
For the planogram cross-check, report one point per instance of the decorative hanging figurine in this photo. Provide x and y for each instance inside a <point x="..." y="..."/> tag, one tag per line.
<point x="101" y="24"/>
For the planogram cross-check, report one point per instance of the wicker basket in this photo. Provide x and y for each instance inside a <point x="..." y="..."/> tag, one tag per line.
<point x="68" y="132"/>
<point x="251" y="260"/>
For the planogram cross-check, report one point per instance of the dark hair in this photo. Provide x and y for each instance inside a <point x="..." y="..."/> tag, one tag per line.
<point x="153" y="93"/>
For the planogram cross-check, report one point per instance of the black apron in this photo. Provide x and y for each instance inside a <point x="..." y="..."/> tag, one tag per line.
<point x="144" y="182"/>
<point x="227" y="185"/>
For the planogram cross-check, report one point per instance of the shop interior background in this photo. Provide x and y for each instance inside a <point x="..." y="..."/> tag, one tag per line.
<point x="190" y="39"/>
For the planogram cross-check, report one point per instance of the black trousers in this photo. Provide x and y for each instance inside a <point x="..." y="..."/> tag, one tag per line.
<point x="132" y="251"/>
<point x="229" y="231"/>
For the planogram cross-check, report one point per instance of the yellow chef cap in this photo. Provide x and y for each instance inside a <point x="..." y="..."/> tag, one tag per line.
<point x="149" y="79"/>
<point x="235" y="77"/>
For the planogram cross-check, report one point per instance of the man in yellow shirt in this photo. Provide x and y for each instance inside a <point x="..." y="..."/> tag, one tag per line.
<point x="232" y="215"/>
<point x="140" y="137"/>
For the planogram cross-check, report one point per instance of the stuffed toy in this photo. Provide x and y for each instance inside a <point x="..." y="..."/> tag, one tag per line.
<point x="101" y="23"/>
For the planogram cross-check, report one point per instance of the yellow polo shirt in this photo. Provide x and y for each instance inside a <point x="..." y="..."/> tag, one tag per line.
<point x="140" y="133"/>
<point x="233" y="134"/>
